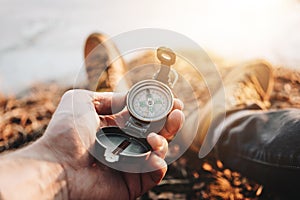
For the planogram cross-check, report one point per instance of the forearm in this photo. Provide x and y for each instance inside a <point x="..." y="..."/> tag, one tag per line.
<point x="24" y="177"/>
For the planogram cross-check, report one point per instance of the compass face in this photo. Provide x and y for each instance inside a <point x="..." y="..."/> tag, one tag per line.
<point x="150" y="100"/>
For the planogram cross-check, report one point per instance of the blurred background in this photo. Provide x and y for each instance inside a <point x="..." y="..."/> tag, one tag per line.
<point x="43" y="39"/>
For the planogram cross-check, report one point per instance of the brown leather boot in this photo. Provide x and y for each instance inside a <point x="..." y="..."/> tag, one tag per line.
<point x="105" y="66"/>
<point x="246" y="87"/>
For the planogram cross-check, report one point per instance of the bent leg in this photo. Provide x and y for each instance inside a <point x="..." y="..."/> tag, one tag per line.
<point x="264" y="146"/>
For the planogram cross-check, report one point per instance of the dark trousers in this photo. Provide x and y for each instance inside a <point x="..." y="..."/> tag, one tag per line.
<point x="265" y="146"/>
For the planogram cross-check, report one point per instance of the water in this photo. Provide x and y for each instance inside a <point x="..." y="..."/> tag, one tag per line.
<point x="43" y="40"/>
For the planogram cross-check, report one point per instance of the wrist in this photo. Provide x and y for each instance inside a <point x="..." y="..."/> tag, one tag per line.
<point x="35" y="172"/>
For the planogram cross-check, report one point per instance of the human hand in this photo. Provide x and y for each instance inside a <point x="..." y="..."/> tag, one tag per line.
<point x="71" y="132"/>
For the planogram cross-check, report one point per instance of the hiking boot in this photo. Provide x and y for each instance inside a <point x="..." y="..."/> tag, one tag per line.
<point x="246" y="87"/>
<point x="104" y="65"/>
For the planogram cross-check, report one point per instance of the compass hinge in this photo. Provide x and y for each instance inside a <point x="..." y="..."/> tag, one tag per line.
<point x="136" y="128"/>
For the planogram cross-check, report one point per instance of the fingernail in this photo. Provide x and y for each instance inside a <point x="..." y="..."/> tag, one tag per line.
<point x="97" y="105"/>
<point x="157" y="138"/>
<point x="152" y="134"/>
<point x="181" y="104"/>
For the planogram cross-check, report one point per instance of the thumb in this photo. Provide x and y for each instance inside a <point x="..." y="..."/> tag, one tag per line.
<point x="76" y="111"/>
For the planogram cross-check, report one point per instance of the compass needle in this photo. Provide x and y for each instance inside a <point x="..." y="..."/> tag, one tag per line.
<point x="121" y="147"/>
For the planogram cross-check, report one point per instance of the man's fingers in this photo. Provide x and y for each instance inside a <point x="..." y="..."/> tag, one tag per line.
<point x="158" y="143"/>
<point x="152" y="178"/>
<point x="174" y="121"/>
<point x="173" y="124"/>
<point x="156" y="164"/>
<point x="118" y="119"/>
<point x="108" y="103"/>
<point x="178" y="104"/>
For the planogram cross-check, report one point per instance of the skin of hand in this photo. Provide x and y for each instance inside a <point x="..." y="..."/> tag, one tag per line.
<point x="59" y="166"/>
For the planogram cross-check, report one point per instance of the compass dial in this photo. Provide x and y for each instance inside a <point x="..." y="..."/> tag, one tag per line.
<point x="150" y="100"/>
